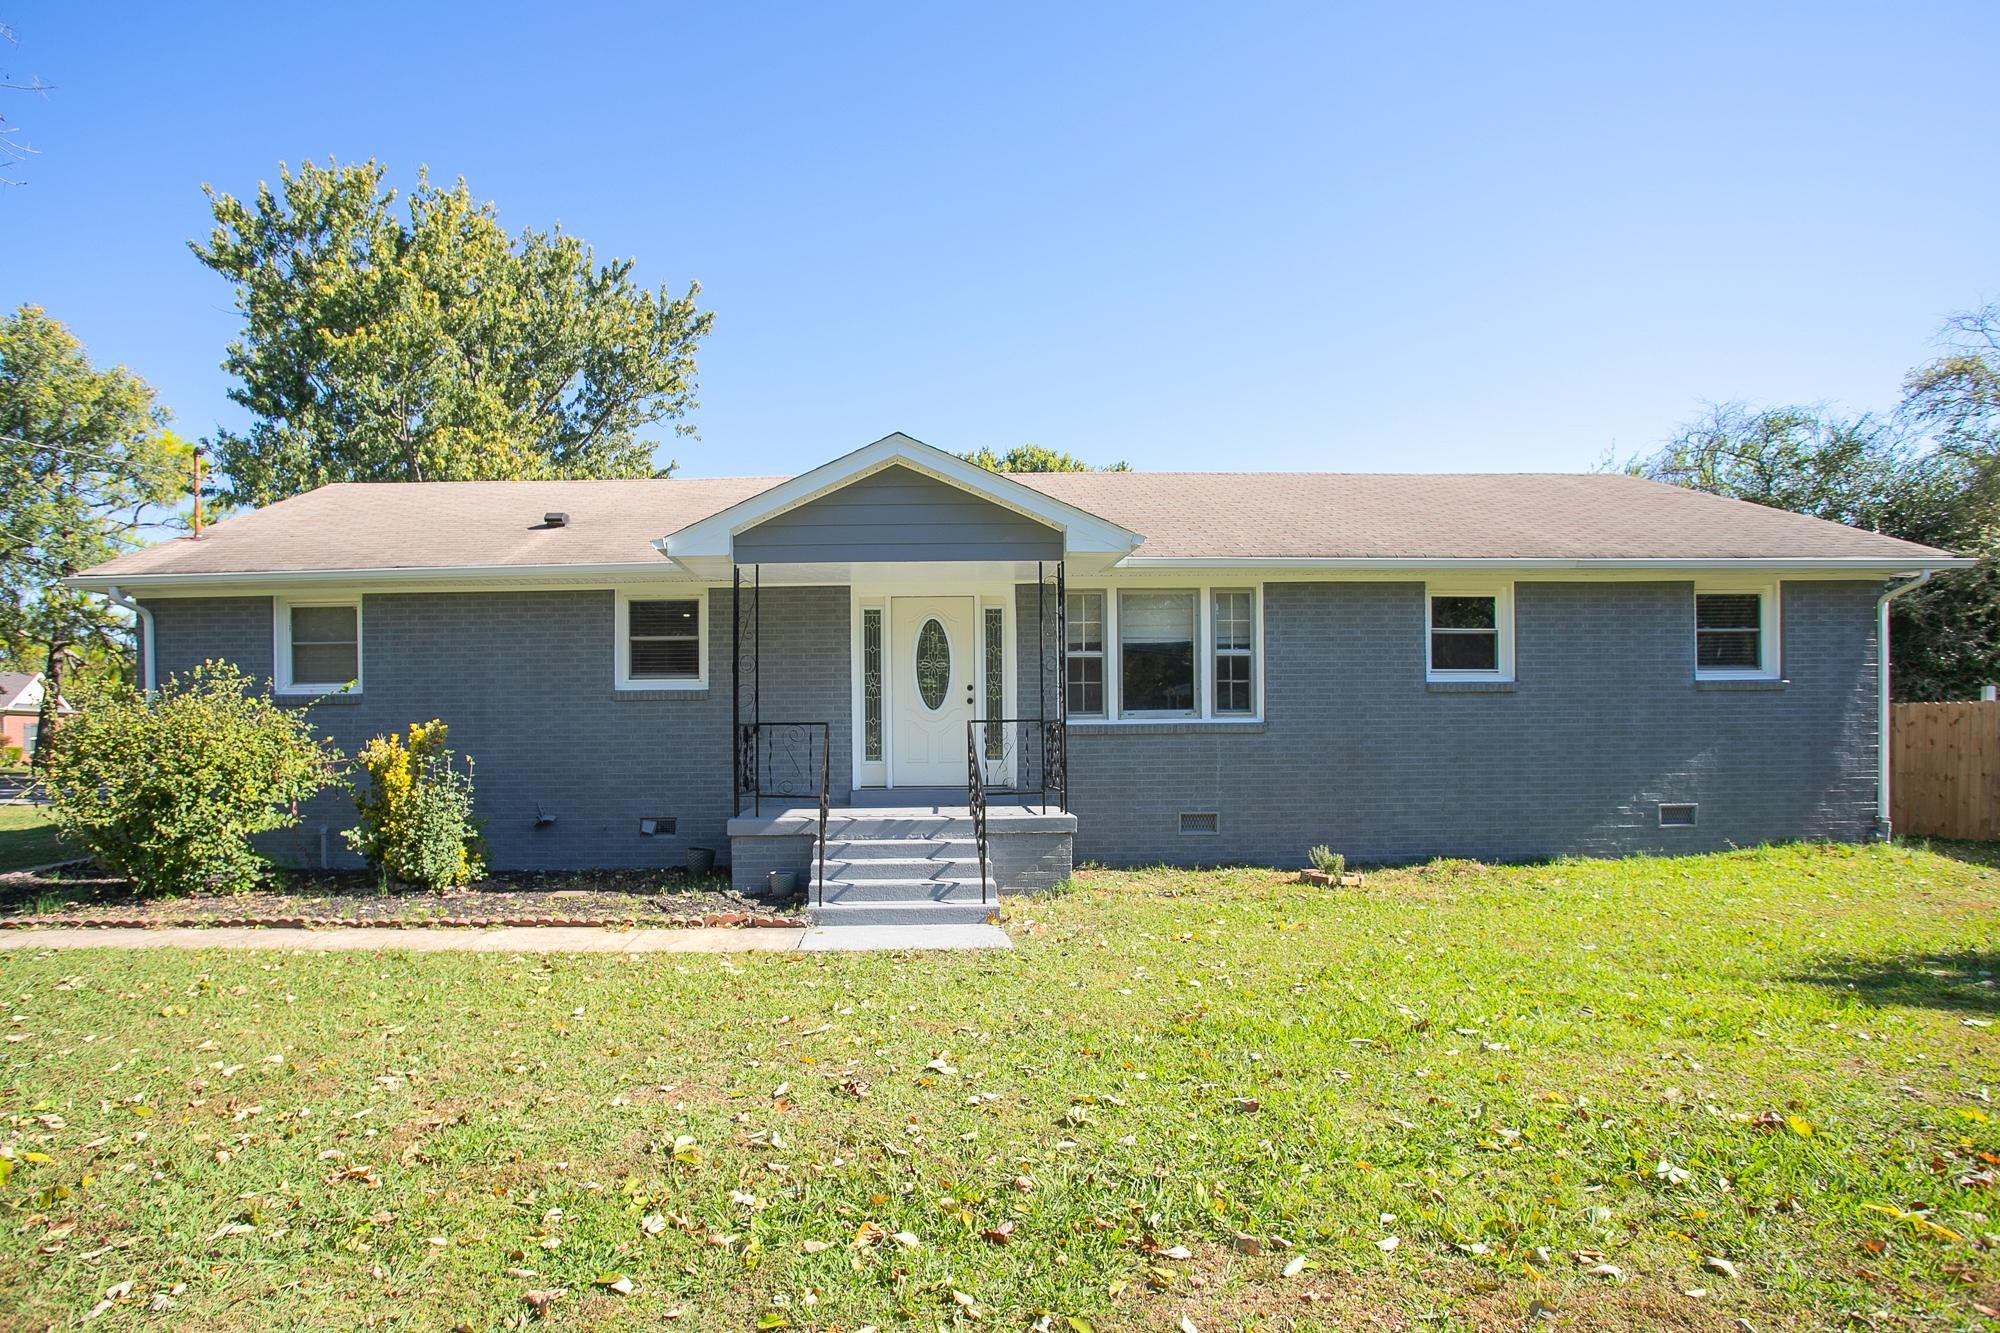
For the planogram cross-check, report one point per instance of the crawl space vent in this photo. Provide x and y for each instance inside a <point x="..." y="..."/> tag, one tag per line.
<point x="1199" y="821"/>
<point x="651" y="827"/>
<point x="1677" y="816"/>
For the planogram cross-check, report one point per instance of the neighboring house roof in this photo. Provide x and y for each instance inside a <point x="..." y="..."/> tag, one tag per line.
<point x="1328" y="518"/>
<point x="21" y="692"/>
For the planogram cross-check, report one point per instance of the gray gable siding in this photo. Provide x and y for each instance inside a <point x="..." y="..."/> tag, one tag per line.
<point x="1603" y="723"/>
<point x="897" y="514"/>
<point x="525" y="681"/>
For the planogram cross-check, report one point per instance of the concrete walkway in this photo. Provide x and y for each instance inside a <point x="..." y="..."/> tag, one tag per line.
<point x="519" y="939"/>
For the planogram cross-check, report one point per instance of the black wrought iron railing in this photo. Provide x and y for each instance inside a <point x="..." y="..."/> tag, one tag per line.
<point x="789" y="761"/>
<point x="1021" y="757"/>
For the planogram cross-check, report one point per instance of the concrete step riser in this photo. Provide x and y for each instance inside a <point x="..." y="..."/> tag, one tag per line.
<point x="928" y="828"/>
<point x="900" y="849"/>
<point x="867" y="870"/>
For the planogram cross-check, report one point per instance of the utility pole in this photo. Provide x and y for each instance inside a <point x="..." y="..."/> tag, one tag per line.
<point x="197" y="492"/>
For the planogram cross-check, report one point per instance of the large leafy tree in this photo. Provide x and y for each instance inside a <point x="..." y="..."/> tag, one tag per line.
<point x="87" y="466"/>
<point x="426" y="344"/>
<point x="1037" y="458"/>
<point x="1871" y="473"/>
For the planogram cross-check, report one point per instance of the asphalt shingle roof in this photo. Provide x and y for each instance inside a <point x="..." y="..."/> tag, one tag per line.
<point x="497" y="524"/>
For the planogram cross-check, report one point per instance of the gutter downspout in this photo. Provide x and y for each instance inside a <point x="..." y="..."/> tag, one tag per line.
<point x="145" y="619"/>
<point x="1884" y="827"/>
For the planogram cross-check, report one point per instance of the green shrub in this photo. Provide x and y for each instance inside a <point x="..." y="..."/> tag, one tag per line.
<point x="10" y="754"/>
<point x="167" y="792"/>
<point x="416" y="812"/>
<point x="1327" y="861"/>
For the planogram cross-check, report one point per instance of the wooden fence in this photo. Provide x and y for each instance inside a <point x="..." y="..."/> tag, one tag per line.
<point x="1944" y="770"/>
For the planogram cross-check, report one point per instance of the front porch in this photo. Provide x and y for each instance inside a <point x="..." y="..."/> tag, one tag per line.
<point x="939" y="780"/>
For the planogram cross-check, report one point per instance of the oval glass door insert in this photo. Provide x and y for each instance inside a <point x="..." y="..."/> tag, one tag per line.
<point x="933" y="664"/>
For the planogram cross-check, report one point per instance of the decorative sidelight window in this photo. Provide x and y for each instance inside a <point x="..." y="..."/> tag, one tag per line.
<point x="319" y="646"/>
<point x="871" y="684"/>
<point x="662" y="642"/>
<point x="995" y="690"/>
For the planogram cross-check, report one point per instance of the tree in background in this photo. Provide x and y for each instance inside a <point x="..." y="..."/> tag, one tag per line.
<point x="86" y="464"/>
<point x="431" y="346"/>
<point x="1931" y="474"/>
<point x="1035" y="458"/>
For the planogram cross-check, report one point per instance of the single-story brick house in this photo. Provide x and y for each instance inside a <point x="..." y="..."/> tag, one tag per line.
<point x="899" y="661"/>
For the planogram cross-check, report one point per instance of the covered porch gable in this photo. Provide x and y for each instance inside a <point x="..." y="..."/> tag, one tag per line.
<point x="897" y="501"/>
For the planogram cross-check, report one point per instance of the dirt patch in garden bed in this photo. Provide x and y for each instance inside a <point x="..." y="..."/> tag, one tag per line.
<point x="80" y="895"/>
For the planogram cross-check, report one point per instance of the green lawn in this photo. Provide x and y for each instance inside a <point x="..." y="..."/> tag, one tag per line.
<point x="27" y="838"/>
<point x="1211" y="1096"/>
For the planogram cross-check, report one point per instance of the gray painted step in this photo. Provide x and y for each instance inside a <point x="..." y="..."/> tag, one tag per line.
<point x="908" y="868"/>
<point x="896" y="891"/>
<point x="900" y="914"/>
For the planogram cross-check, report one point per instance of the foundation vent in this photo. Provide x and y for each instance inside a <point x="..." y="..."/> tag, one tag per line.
<point x="1200" y="821"/>
<point x="1680" y="815"/>
<point x="661" y="825"/>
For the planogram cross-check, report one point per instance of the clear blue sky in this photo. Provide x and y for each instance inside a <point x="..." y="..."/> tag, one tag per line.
<point x="1190" y="236"/>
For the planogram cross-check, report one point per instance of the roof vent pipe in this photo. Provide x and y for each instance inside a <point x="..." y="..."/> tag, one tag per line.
<point x="555" y="519"/>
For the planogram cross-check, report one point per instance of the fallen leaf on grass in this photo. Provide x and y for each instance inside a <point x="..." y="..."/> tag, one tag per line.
<point x="998" y="1235"/>
<point x="1715" y="1263"/>
<point x="653" y="1224"/>
<point x="617" y="1282"/>
<point x="539" y="1301"/>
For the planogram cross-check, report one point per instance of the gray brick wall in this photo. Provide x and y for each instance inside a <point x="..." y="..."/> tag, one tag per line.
<point x="525" y="681"/>
<point x="1604" y="723"/>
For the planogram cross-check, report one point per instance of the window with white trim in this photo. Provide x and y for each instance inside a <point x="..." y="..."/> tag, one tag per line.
<point x="1736" y="632"/>
<point x="662" y="642"/>
<point x="318" y="646"/>
<point x="1469" y="633"/>
<point x="1233" y="629"/>
<point x="1083" y="616"/>
<point x="1156" y="654"/>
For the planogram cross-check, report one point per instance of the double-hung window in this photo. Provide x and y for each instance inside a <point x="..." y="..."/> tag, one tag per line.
<point x="1469" y="634"/>
<point x="660" y="642"/>
<point x="319" y="646"/>
<point x="1736" y="633"/>
<point x="1084" y="675"/>
<point x="1232" y="622"/>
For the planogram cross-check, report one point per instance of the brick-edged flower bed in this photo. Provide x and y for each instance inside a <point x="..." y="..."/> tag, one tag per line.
<point x="76" y="896"/>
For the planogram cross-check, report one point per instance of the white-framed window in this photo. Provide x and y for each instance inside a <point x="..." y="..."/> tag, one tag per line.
<point x="1083" y="674"/>
<point x="1140" y="654"/>
<point x="1736" y="631"/>
<point x="663" y="640"/>
<point x="1469" y="632"/>
<point x="1158" y="671"/>
<point x="1233" y="640"/>
<point x="318" y="645"/>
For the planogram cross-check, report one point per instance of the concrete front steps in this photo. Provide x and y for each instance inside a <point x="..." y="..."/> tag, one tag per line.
<point x="916" y="866"/>
<point x="923" y="872"/>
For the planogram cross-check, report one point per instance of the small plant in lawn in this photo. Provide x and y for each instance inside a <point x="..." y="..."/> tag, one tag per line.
<point x="168" y="791"/>
<point x="10" y="755"/>
<point x="1327" y="861"/>
<point x="416" y="811"/>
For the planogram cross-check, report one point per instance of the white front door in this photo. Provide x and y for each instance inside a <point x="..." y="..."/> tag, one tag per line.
<point x="934" y="649"/>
